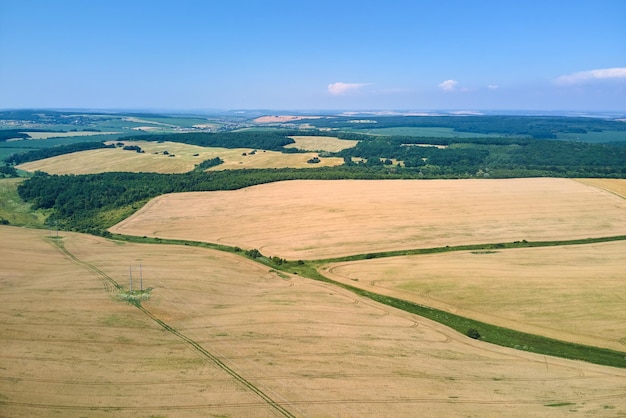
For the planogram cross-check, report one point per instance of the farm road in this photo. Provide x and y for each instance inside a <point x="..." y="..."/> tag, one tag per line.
<point x="109" y="283"/>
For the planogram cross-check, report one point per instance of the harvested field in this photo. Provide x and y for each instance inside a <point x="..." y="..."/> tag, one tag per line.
<point x="322" y="219"/>
<point x="321" y="143"/>
<point x="236" y="331"/>
<point x="235" y="159"/>
<point x="180" y="158"/>
<point x="118" y="159"/>
<point x="573" y="293"/>
<point x="617" y="186"/>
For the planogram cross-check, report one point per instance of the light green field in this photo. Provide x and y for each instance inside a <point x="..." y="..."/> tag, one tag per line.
<point x="14" y="210"/>
<point x="7" y="151"/>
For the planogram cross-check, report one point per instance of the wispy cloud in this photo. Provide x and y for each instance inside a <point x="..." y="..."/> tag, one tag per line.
<point x="339" y="89"/>
<point x="592" y="75"/>
<point x="493" y="87"/>
<point x="448" y="85"/>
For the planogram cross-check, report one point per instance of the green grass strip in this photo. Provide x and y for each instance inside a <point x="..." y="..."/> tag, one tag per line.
<point x="474" y="247"/>
<point x="488" y="333"/>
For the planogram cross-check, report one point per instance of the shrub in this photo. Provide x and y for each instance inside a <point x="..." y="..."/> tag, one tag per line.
<point x="254" y="253"/>
<point x="473" y="333"/>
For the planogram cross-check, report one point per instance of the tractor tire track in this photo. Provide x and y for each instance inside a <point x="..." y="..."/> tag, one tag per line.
<point x="110" y="283"/>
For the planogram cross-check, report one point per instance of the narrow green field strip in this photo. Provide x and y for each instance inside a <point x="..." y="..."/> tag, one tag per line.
<point x="473" y="247"/>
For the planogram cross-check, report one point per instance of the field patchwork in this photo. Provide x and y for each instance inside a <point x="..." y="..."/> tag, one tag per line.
<point x="172" y="158"/>
<point x="321" y="143"/>
<point x="224" y="336"/>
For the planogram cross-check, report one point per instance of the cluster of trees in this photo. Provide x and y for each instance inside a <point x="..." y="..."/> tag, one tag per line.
<point x="135" y="148"/>
<point x="7" y="171"/>
<point x="206" y="164"/>
<point x="513" y="155"/>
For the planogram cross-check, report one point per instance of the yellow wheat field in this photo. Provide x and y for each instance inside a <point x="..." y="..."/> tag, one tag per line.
<point x="322" y="219"/>
<point x="69" y="348"/>
<point x="573" y="293"/>
<point x="179" y="158"/>
<point x="617" y="186"/>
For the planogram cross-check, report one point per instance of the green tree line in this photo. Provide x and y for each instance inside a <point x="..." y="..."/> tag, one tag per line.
<point x="267" y="140"/>
<point x="39" y="154"/>
<point x="540" y="127"/>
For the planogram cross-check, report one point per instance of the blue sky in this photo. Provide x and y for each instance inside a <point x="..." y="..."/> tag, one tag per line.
<point x="314" y="55"/>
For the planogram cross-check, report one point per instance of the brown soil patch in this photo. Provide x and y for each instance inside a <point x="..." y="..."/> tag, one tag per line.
<point x="70" y="349"/>
<point x="573" y="293"/>
<point x="321" y="219"/>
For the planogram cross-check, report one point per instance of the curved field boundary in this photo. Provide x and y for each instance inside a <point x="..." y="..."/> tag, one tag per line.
<point x="108" y="281"/>
<point x="488" y="333"/>
<point x="505" y="337"/>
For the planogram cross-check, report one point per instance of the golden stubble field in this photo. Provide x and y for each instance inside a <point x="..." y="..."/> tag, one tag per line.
<point x="573" y="293"/>
<point x="321" y="219"/>
<point x="180" y="158"/>
<point x="247" y="342"/>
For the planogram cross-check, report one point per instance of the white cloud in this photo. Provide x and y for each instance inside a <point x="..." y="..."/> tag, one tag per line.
<point x="448" y="85"/>
<point x="586" y="76"/>
<point x="493" y="87"/>
<point x="339" y="89"/>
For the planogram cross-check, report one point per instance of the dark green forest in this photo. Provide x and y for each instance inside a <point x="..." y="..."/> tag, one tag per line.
<point x="539" y="127"/>
<point x="40" y="154"/>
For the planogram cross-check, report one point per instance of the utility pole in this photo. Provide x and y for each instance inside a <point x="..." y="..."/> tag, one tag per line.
<point x="140" y="278"/>
<point x="130" y="269"/>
